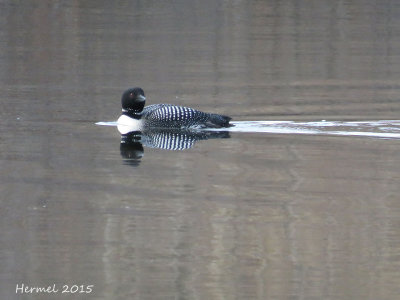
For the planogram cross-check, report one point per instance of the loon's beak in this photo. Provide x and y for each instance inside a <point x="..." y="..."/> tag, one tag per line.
<point x="141" y="98"/>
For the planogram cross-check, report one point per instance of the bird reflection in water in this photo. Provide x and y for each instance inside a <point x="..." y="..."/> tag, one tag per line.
<point x="132" y="143"/>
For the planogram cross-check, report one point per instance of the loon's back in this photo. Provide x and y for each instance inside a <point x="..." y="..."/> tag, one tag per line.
<point x="173" y="116"/>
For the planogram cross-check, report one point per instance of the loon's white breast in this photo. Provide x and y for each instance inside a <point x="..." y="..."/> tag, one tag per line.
<point x="127" y="124"/>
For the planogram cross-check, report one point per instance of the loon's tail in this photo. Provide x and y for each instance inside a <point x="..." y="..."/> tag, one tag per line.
<point x="218" y="121"/>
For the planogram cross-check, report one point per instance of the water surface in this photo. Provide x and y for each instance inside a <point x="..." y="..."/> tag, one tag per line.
<point x="303" y="205"/>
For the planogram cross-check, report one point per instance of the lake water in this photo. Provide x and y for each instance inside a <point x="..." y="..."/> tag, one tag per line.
<point x="300" y="200"/>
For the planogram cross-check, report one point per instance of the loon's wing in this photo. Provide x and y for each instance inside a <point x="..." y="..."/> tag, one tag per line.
<point x="173" y="116"/>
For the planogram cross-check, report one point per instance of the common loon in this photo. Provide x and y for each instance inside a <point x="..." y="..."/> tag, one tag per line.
<point x="134" y="114"/>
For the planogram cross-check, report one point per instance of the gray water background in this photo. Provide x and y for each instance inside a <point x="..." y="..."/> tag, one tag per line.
<point x="255" y="216"/>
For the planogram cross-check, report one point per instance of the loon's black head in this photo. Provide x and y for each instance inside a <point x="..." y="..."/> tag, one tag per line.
<point x="133" y="100"/>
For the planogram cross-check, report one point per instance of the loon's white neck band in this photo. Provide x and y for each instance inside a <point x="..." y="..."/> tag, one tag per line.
<point x="132" y="112"/>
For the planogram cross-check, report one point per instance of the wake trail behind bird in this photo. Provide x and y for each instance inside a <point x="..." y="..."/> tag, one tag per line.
<point x="387" y="129"/>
